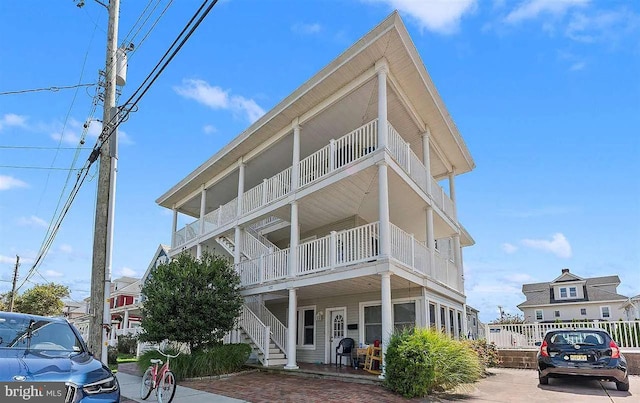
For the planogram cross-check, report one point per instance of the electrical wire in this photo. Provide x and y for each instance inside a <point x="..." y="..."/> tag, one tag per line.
<point x="42" y="148"/>
<point x="53" y="89"/>
<point x="42" y="168"/>
<point x="109" y="128"/>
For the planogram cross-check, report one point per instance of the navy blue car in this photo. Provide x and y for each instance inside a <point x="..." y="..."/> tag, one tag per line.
<point x="50" y="351"/>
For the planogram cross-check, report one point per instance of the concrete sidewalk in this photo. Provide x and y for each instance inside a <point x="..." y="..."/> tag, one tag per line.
<point x="130" y="388"/>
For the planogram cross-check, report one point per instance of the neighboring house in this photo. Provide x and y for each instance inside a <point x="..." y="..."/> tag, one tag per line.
<point x="331" y="208"/>
<point x="570" y="297"/>
<point x="73" y="310"/>
<point x="474" y="327"/>
<point x="124" y="307"/>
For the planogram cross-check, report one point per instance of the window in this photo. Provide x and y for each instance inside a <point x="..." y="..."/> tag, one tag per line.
<point x="556" y="314"/>
<point x="305" y="336"/>
<point x="573" y="293"/>
<point x="432" y="315"/>
<point x="604" y="312"/>
<point x="563" y="292"/>
<point x="539" y="314"/>
<point x="583" y="311"/>
<point x="451" y="323"/>
<point x="443" y="322"/>
<point x="474" y="321"/>
<point x="404" y="317"/>
<point x="460" y="323"/>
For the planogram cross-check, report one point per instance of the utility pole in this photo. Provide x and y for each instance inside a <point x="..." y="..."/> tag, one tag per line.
<point x="100" y="321"/>
<point x="15" y="280"/>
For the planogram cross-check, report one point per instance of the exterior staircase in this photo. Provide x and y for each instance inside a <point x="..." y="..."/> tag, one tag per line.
<point x="267" y="342"/>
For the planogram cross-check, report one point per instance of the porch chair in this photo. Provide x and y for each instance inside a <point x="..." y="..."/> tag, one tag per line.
<point x="345" y="349"/>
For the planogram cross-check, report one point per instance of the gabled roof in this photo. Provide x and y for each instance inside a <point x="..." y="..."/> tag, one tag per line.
<point x="567" y="276"/>
<point x="390" y="40"/>
<point x="542" y="293"/>
<point x="161" y="253"/>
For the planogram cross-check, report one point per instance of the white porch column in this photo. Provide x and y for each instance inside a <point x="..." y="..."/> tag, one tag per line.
<point x="383" y="210"/>
<point x="295" y="163"/>
<point x="387" y="325"/>
<point x="465" y="322"/>
<point x="241" y="166"/>
<point x="426" y="157"/>
<point x="438" y="317"/>
<point x="125" y="319"/>
<point x="174" y="226"/>
<point x="295" y="238"/>
<point x="292" y="326"/>
<point x="237" y="240"/>
<point x="457" y="254"/>
<point x="452" y="192"/>
<point x="203" y="204"/>
<point x="431" y="242"/>
<point x="382" y="68"/>
<point x="425" y="305"/>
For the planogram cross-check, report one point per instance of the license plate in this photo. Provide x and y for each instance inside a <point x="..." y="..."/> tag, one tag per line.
<point x="578" y="357"/>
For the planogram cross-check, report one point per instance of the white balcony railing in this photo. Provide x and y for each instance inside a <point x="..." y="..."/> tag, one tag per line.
<point x="346" y="149"/>
<point x="278" y="329"/>
<point x="257" y="331"/>
<point x="625" y="333"/>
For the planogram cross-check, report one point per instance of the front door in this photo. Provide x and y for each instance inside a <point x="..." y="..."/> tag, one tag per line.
<point x="337" y="328"/>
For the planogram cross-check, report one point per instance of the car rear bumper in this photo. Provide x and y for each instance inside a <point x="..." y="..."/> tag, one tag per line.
<point x="614" y="373"/>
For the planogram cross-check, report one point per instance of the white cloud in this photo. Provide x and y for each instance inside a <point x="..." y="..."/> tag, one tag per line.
<point x="7" y="259"/>
<point x="52" y="273"/>
<point x="65" y="248"/>
<point x="32" y="221"/>
<point x="216" y="98"/>
<point x="492" y="289"/>
<point x="306" y="29"/>
<point x="441" y="16"/>
<point x="209" y="129"/>
<point x="519" y="278"/>
<point x="577" y="66"/>
<point x="509" y="248"/>
<point x="602" y="26"/>
<point x="559" y="245"/>
<point x="11" y="119"/>
<point x="531" y="9"/>
<point x="127" y="272"/>
<point x="9" y="182"/>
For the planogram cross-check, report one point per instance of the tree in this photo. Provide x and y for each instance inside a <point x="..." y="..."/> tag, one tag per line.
<point x="507" y="319"/>
<point x="42" y="299"/>
<point x="191" y="301"/>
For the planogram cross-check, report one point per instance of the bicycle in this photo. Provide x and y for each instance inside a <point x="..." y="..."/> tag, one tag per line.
<point x="161" y="379"/>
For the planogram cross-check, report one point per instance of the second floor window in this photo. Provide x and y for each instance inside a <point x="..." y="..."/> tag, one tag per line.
<point x="563" y="292"/>
<point x="573" y="292"/>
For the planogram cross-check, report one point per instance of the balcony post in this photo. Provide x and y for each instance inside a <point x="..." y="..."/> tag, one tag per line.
<point x="125" y="320"/>
<point x="332" y="155"/>
<point x="239" y="206"/>
<point x="203" y="205"/>
<point x="382" y="68"/>
<point x="408" y="150"/>
<point x="264" y="191"/>
<point x="431" y="242"/>
<point x="292" y="324"/>
<point x="383" y="209"/>
<point x="457" y="253"/>
<point x="174" y="226"/>
<point x="220" y="215"/>
<point x="295" y="165"/>
<point x="294" y="240"/>
<point x="333" y="247"/>
<point x="426" y="157"/>
<point x="261" y="269"/>
<point x="452" y="192"/>
<point x="413" y="252"/>
<point x="237" y="245"/>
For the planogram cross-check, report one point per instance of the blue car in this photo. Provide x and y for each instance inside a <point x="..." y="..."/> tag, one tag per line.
<point x="47" y="355"/>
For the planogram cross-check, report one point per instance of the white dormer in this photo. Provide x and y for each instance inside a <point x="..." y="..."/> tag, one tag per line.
<point x="568" y="286"/>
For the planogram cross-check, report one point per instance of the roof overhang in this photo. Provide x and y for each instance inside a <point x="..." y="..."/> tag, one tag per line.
<point x="390" y="40"/>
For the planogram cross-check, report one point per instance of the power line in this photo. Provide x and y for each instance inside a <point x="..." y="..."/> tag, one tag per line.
<point x="52" y="89"/>
<point x="42" y="148"/>
<point x="116" y="119"/>
<point x="41" y="168"/>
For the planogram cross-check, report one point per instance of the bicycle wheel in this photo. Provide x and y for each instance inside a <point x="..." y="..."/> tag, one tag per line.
<point x="167" y="388"/>
<point x="147" y="384"/>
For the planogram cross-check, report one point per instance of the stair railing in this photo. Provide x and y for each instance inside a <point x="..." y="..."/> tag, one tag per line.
<point x="278" y="329"/>
<point x="259" y="334"/>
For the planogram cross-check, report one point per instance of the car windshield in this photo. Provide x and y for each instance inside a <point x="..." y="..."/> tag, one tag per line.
<point x="579" y="337"/>
<point x="23" y="332"/>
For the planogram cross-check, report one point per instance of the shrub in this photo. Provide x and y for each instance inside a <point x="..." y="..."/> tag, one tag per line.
<point x="214" y="360"/>
<point x="127" y="344"/>
<point x="112" y="355"/>
<point x="487" y="352"/>
<point x="422" y="361"/>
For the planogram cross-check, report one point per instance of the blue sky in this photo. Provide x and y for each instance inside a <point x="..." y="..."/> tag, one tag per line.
<point x="545" y="93"/>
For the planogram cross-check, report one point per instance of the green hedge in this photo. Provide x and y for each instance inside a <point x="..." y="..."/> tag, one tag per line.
<point x="422" y="361"/>
<point x="215" y="360"/>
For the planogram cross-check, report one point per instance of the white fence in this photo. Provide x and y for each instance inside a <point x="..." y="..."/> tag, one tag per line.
<point x="625" y="333"/>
